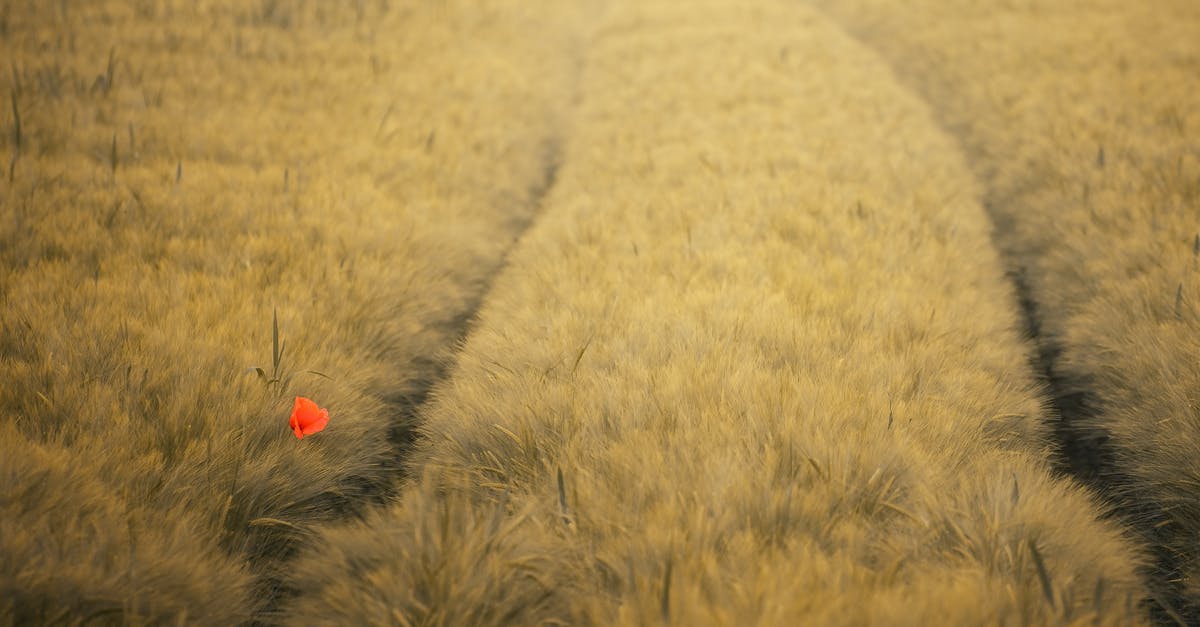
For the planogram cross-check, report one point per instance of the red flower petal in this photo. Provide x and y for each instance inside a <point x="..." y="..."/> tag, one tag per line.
<point x="318" y="424"/>
<point x="307" y="417"/>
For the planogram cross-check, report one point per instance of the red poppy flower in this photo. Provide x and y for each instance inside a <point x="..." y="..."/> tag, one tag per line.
<point x="307" y="418"/>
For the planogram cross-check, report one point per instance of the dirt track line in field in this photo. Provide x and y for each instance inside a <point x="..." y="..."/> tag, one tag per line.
<point x="181" y="172"/>
<point x="1080" y="120"/>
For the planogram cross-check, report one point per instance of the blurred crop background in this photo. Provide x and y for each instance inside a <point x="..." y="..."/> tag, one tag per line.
<point x="704" y="312"/>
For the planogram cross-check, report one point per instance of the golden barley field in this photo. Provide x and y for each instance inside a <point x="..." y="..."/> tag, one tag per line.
<point x="621" y="312"/>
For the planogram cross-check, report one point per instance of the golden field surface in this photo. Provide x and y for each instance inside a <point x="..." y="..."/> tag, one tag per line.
<point x="729" y="312"/>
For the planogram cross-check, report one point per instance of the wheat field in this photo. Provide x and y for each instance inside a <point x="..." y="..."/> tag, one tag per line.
<point x="692" y="312"/>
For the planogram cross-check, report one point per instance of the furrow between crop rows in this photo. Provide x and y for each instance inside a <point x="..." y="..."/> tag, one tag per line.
<point x="1080" y="120"/>
<point x="209" y="209"/>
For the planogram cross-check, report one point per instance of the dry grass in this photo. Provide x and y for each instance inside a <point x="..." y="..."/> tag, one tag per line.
<point x="177" y="172"/>
<point x="1081" y="118"/>
<point x="757" y="363"/>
